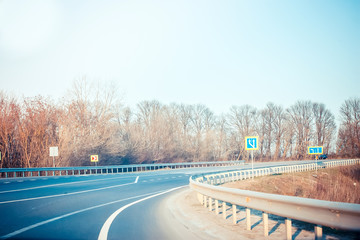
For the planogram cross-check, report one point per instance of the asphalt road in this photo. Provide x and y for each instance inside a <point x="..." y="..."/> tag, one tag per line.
<point x="113" y="206"/>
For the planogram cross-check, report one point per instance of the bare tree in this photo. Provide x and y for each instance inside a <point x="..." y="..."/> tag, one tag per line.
<point x="349" y="132"/>
<point x="202" y="120"/>
<point x="88" y="123"/>
<point x="325" y="126"/>
<point x="300" y="114"/>
<point x="37" y="132"/>
<point x="242" y="122"/>
<point x="221" y="147"/>
<point x="10" y="114"/>
<point x="279" y="129"/>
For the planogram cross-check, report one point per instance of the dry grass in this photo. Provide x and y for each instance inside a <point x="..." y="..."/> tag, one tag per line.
<point x="339" y="184"/>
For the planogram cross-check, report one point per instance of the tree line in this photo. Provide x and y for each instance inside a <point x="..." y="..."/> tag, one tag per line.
<point x="92" y="120"/>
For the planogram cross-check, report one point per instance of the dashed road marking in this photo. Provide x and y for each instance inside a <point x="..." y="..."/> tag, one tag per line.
<point x="59" y="184"/>
<point x="65" y="194"/>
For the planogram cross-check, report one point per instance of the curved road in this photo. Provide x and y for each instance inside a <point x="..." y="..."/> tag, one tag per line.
<point x="113" y="206"/>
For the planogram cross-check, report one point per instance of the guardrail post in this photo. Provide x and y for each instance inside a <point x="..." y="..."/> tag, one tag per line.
<point x="266" y="224"/>
<point x="288" y="229"/>
<point x="248" y="219"/>
<point x="234" y="214"/>
<point x="216" y="207"/>
<point x="210" y="204"/>
<point x="200" y="198"/>
<point x="224" y="209"/>
<point x="205" y="201"/>
<point x="318" y="232"/>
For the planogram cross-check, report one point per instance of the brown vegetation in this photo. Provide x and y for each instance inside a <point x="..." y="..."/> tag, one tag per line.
<point x="91" y="120"/>
<point x="339" y="184"/>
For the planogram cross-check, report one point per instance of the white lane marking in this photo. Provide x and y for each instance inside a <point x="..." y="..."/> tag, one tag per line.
<point x="59" y="184"/>
<point x="65" y="194"/>
<point x="6" y="182"/>
<point x="105" y="228"/>
<point x="70" y="214"/>
<point x="20" y="181"/>
<point x="137" y="179"/>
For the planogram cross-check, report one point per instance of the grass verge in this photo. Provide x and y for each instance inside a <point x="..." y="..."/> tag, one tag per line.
<point x="340" y="184"/>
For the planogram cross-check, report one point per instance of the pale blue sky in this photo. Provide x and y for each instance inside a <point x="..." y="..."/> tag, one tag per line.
<point x="218" y="53"/>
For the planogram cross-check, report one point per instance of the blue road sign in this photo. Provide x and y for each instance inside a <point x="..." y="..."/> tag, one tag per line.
<point x="315" y="150"/>
<point x="251" y="143"/>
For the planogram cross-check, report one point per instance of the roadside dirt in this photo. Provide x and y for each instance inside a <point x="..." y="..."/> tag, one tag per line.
<point x="185" y="218"/>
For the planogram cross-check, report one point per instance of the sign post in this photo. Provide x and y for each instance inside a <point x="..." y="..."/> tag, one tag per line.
<point x="315" y="150"/>
<point x="251" y="144"/>
<point x="54" y="152"/>
<point x="94" y="158"/>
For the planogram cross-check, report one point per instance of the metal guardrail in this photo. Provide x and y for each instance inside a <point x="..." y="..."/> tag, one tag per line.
<point x="32" y="172"/>
<point x="321" y="213"/>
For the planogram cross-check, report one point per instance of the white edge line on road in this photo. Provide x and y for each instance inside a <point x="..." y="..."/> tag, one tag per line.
<point x="17" y="232"/>
<point x="59" y="184"/>
<point x="105" y="228"/>
<point x="65" y="194"/>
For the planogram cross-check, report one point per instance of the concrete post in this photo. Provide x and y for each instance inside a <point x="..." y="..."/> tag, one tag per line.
<point x="288" y="229"/>
<point x="234" y="214"/>
<point x="224" y="210"/>
<point x="216" y="207"/>
<point x="210" y="204"/>
<point x="200" y="198"/>
<point x="248" y="219"/>
<point x="266" y="224"/>
<point x="318" y="232"/>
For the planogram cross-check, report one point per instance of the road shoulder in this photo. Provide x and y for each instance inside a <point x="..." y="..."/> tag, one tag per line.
<point x="185" y="218"/>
